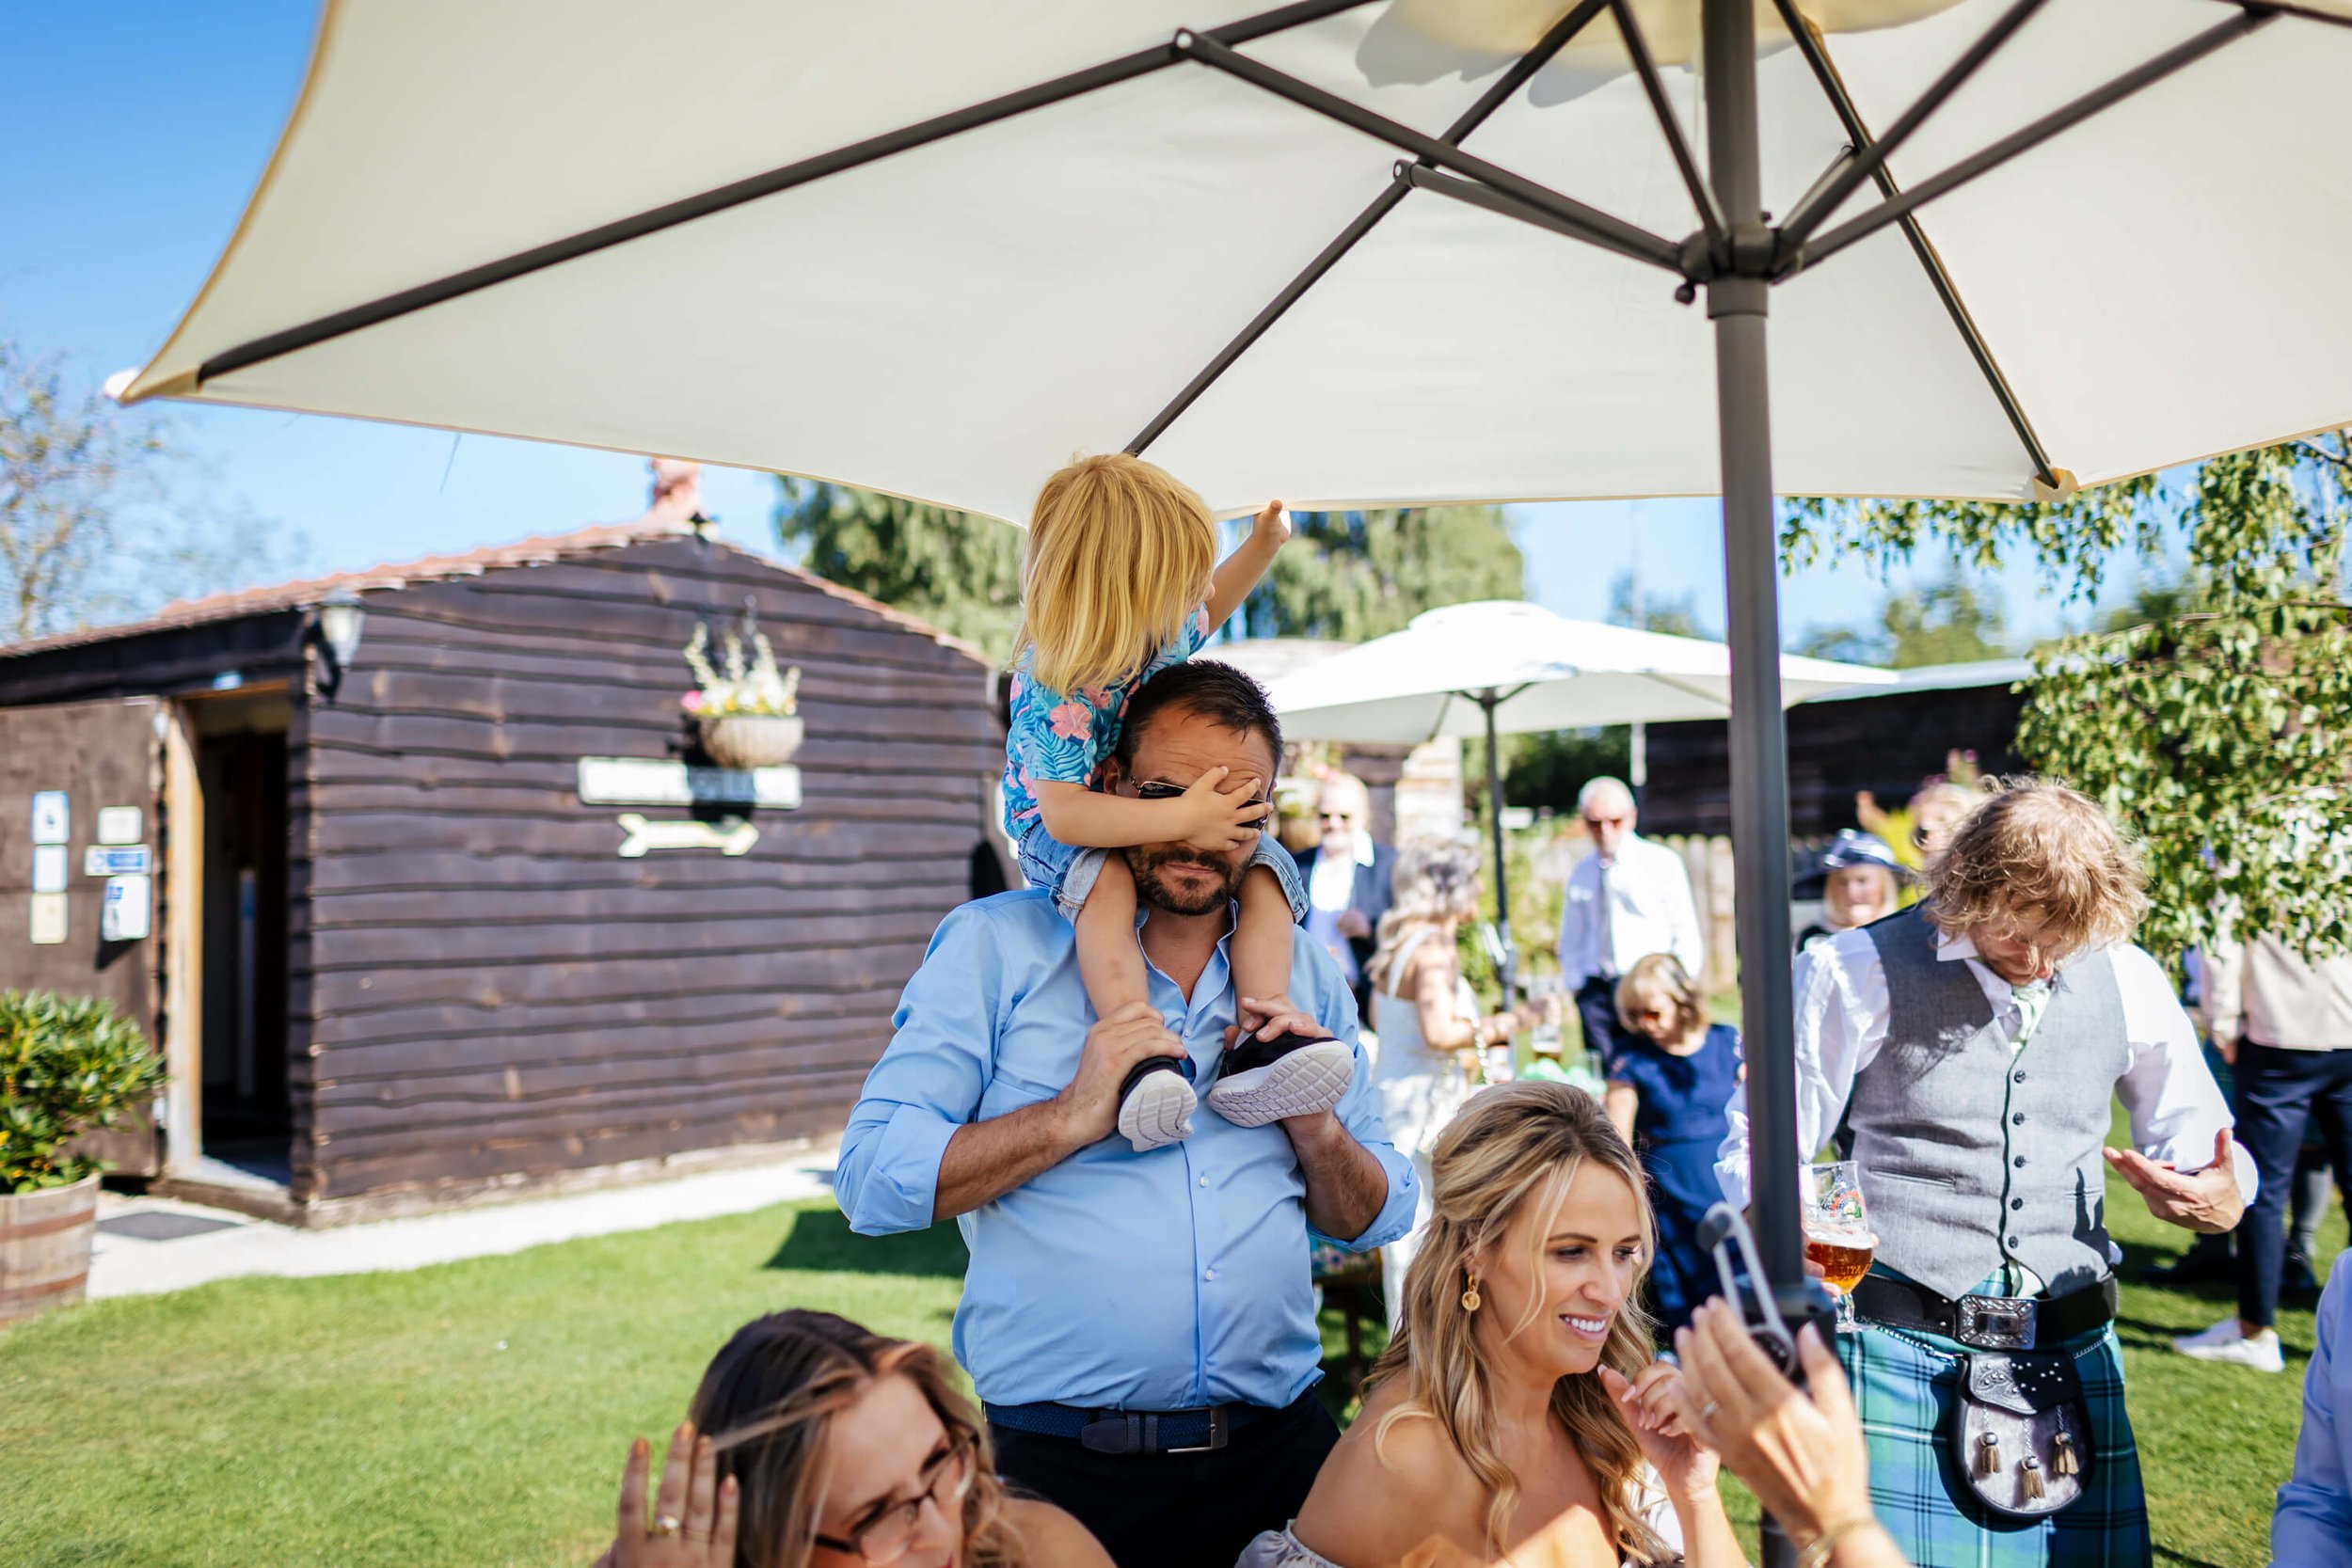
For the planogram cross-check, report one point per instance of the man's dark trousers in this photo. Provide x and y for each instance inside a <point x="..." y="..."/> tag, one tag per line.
<point x="1597" y="1009"/>
<point x="1178" y="1509"/>
<point x="2278" y="1093"/>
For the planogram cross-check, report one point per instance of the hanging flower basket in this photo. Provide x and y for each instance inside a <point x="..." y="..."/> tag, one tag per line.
<point x="746" y="710"/>
<point x="750" y="740"/>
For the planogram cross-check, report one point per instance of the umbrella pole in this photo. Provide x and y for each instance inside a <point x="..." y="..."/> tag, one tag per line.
<point x="1760" y="760"/>
<point x="1488" y="701"/>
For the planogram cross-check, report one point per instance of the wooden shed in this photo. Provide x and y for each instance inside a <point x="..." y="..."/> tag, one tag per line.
<point x="476" y="913"/>
<point x="1882" y="738"/>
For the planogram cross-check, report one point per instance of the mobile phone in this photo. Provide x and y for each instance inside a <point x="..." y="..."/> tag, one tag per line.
<point x="1772" y="1324"/>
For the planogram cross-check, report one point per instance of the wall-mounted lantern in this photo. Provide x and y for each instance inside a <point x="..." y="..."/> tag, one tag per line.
<point x="341" y="618"/>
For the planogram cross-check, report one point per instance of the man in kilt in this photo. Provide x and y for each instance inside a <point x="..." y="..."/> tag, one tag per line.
<point x="1966" y="1053"/>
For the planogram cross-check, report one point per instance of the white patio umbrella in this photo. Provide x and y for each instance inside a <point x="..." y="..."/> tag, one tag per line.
<point x="935" y="246"/>
<point x="1507" y="667"/>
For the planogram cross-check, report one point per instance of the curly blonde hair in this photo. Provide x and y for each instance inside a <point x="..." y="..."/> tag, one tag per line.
<point x="769" y="1400"/>
<point x="2035" y="857"/>
<point x="1511" y="1145"/>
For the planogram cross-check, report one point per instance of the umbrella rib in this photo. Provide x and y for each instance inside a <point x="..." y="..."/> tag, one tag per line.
<point x="2252" y="20"/>
<point x="1829" y="198"/>
<point x="1471" y="193"/>
<point x="1126" y="68"/>
<point x="1833" y="88"/>
<point x="2307" y="13"/>
<point x="1521" y="69"/>
<point x="1209" y="52"/>
<point x="1702" y="195"/>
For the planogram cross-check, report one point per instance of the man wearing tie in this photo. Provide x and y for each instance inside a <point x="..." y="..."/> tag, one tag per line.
<point x="1628" y="899"/>
<point x="1347" y="878"/>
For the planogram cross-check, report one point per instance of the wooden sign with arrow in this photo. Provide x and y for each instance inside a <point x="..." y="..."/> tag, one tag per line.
<point x="731" y="835"/>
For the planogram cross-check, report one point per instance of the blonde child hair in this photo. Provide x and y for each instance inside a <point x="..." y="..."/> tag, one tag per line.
<point x="1120" y="553"/>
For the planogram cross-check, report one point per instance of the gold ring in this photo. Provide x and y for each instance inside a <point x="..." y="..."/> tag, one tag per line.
<point x="664" y="1524"/>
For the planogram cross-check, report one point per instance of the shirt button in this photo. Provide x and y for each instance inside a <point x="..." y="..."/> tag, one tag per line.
<point x="1204" y="1180"/>
<point x="2016" y="1077"/>
<point x="2017" y="1203"/>
<point x="2013" y="1243"/>
<point x="1209" y="1275"/>
<point x="2019" y="1162"/>
<point x="2019" y="1120"/>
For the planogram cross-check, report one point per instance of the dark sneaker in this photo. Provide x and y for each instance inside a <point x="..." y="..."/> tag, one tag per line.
<point x="1155" y="1105"/>
<point x="2295" y="1277"/>
<point x="1290" y="1075"/>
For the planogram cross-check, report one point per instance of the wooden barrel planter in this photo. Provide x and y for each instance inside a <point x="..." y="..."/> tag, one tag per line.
<point x="44" y="1247"/>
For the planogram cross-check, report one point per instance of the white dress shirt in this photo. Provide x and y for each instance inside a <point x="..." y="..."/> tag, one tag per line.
<point x="1333" y="883"/>
<point x="1619" y="912"/>
<point x="2176" y="1107"/>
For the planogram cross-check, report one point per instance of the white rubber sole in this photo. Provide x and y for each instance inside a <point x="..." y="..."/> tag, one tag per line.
<point x="1305" y="1083"/>
<point x="1157" y="1111"/>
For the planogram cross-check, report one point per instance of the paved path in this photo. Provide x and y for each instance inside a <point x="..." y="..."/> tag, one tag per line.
<point x="147" y="1244"/>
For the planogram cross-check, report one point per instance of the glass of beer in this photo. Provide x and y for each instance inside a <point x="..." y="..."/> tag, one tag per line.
<point x="1837" y="1234"/>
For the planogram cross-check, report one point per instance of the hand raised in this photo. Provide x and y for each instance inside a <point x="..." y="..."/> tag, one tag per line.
<point x="2206" y="1199"/>
<point x="1217" y="819"/>
<point x="1652" y="1401"/>
<point x="1134" y="1032"/>
<point x="693" y="1520"/>
<point x="1804" y="1457"/>
<point x="1272" y="525"/>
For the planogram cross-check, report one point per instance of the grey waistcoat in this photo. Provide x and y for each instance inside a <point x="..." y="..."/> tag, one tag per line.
<point x="1970" y="1155"/>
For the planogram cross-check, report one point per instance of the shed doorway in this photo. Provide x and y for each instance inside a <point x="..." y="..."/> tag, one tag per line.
<point x="241" y="774"/>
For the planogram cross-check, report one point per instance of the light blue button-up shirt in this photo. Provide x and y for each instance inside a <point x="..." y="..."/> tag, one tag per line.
<point x="1115" y="1280"/>
<point x="2313" y="1525"/>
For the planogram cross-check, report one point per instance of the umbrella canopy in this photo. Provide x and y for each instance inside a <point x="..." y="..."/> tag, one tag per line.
<point x="934" y="248"/>
<point x="1547" y="672"/>
<point x="737" y="232"/>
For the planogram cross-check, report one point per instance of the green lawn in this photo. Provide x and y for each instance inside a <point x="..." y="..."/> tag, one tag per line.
<point x="476" y="1414"/>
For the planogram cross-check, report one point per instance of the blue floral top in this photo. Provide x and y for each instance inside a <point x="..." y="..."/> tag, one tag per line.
<point x="1064" y="735"/>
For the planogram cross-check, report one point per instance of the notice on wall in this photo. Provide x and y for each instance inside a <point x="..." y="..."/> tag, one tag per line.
<point x="120" y="824"/>
<point x="652" y="781"/>
<point x="48" y="919"/>
<point x="116" y="860"/>
<point x="52" y="816"/>
<point x="124" y="915"/>
<point x="49" y="869"/>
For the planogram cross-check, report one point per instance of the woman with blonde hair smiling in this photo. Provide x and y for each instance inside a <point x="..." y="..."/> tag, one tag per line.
<point x="815" y="1443"/>
<point x="1497" y="1427"/>
<point x="1425" y="1018"/>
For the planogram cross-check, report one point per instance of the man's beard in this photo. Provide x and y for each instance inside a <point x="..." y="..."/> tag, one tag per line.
<point x="1156" y="891"/>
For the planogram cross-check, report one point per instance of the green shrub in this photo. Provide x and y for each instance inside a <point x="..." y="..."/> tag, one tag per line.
<point x="66" y="1066"/>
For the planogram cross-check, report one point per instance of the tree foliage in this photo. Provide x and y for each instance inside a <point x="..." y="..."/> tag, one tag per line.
<point x="2220" y="729"/>
<point x="960" y="571"/>
<point x="1358" y="575"/>
<point x="1938" y="623"/>
<point x="85" y="533"/>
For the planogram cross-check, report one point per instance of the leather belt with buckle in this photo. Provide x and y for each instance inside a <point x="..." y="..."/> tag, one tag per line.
<point x="1129" y="1431"/>
<point x="1987" y="1323"/>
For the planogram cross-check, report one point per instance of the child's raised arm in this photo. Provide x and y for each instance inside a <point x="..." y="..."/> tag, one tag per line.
<point x="1205" y="815"/>
<point x="1239" y="572"/>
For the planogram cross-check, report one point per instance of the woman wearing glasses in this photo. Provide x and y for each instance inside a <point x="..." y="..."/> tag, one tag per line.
<point x="813" y="1443"/>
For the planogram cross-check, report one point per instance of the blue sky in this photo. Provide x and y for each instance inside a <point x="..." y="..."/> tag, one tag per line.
<point x="136" y="130"/>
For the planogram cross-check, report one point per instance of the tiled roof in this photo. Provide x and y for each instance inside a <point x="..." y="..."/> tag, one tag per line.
<point x="538" y="550"/>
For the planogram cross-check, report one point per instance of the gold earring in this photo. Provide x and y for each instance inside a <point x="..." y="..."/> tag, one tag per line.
<point x="1469" y="1297"/>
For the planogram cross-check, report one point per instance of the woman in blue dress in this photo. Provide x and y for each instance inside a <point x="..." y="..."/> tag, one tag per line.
<point x="1670" y="1086"/>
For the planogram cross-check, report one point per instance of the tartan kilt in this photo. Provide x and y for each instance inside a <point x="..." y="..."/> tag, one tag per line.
<point x="1905" y="1384"/>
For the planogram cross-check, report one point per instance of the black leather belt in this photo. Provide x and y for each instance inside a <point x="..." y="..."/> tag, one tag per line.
<point x="1987" y="1323"/>
<point x="1200" y="1430"/>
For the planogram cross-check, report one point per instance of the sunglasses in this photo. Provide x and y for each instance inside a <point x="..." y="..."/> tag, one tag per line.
<point x="1160" y="789"/>
<point x="886" y="1537"/>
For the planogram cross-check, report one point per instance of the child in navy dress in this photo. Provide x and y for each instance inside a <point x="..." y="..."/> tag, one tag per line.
<point x="1670" y="1089"/>
<point x="1121" y="581"/>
